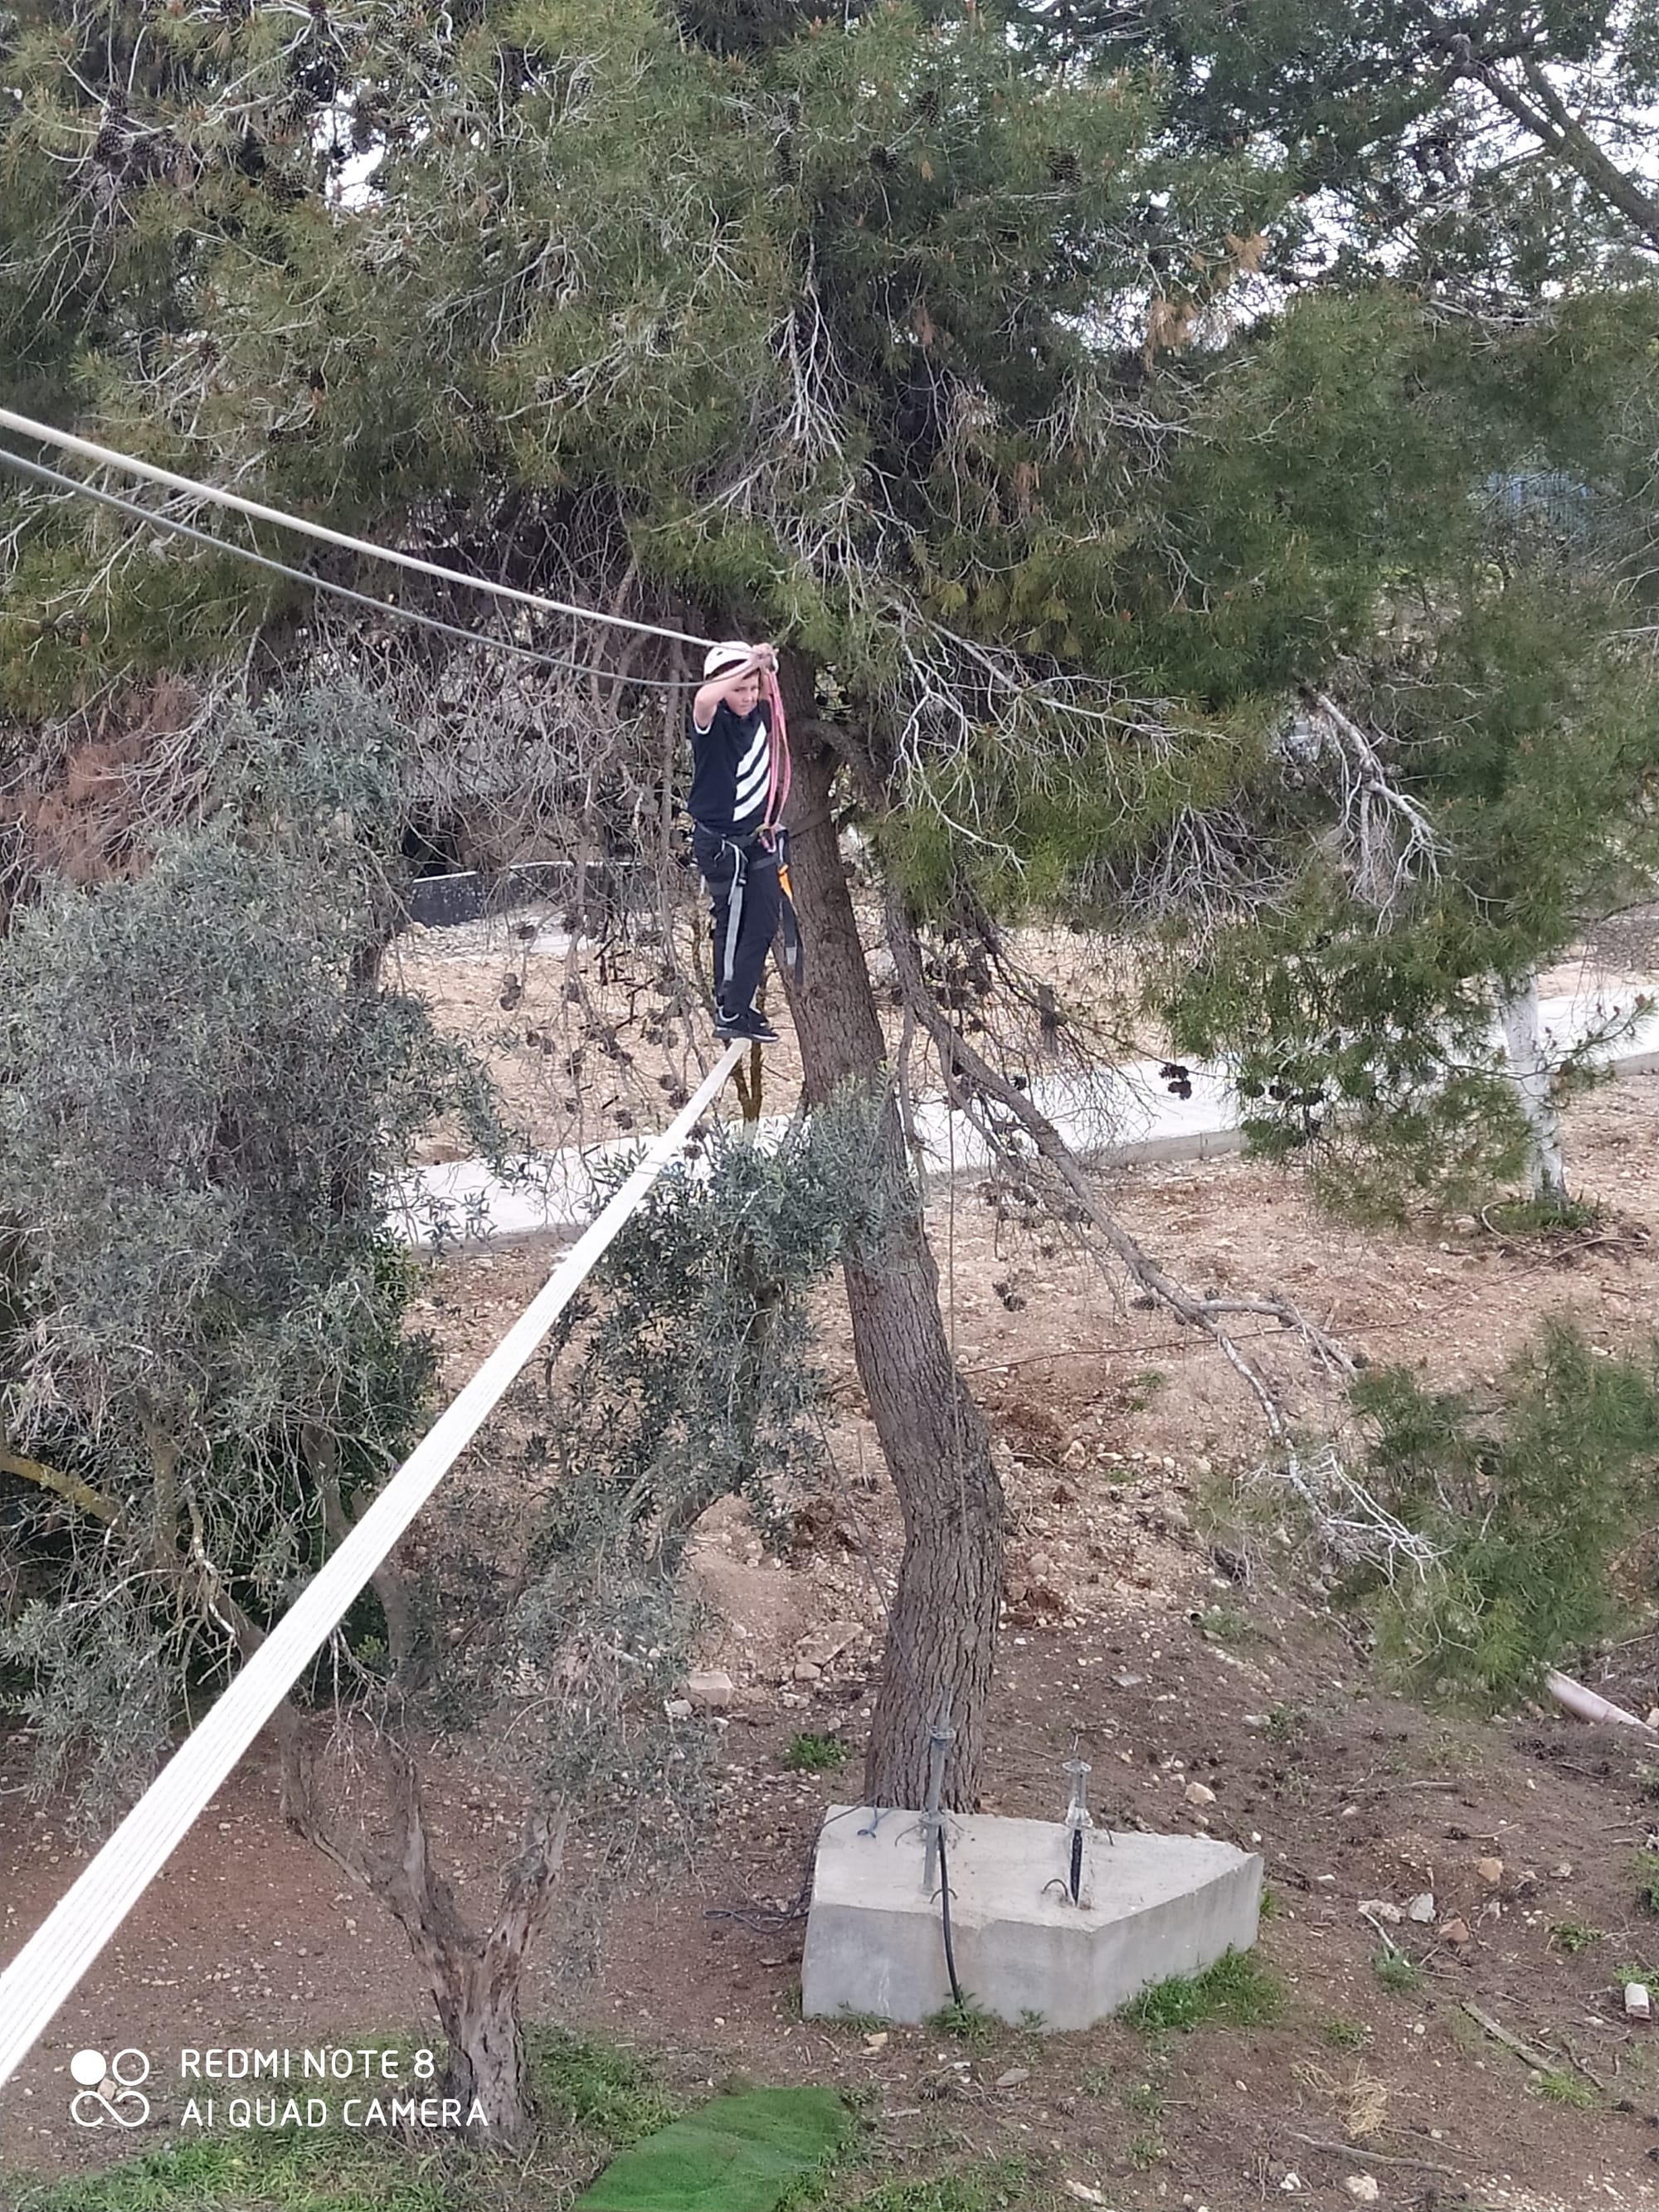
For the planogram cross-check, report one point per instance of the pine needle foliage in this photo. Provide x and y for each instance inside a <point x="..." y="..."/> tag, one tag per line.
<point x="1529" y="1503"/>
<point x="954" y="369"/>
<point x="1496" y="151"/>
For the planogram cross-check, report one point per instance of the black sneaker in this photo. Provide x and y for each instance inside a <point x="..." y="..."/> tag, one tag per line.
<point x="749" y="1027"/>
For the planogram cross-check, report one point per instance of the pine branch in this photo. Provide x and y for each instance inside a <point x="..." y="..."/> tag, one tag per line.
<point x="971" y="1078"/>
<point x="1347" y="1516"/>
<point x="1549" y="119"/>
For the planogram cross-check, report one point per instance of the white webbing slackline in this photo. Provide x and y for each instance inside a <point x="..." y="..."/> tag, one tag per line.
<point x="58" y="1954"/>
<point x="108" y="457"/>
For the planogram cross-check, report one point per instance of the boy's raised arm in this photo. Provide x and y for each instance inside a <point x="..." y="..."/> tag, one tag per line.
<point x="718" y="686"/>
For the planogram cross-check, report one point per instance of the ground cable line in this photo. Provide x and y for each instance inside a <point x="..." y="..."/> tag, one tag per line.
<point x="106" y="456"/>
<point x="54" y="1958"/>
<point x="38" y="473"/>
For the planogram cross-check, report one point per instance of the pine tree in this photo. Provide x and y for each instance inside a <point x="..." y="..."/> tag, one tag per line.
<point x="954" y="371"/>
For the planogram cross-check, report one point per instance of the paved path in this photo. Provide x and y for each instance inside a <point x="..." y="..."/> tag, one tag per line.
<point x="1123" y="1114"/>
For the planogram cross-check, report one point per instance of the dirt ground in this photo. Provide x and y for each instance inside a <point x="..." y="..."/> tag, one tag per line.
<point x="1142" y="1620"/>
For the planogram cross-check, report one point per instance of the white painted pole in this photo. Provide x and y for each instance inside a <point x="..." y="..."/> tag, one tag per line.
<point x="1523" y="1041"/>
<point x="49" y="1965"/>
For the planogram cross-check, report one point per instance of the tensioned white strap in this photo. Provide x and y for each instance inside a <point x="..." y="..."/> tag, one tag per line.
<point x="76" y="1930"/>
<point x="108" y="457"/>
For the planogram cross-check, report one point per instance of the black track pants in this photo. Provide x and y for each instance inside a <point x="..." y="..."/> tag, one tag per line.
<point x="740" y="876"/>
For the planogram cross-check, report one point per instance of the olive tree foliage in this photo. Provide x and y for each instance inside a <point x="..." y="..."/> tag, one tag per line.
<point x="203" y="1109"/>
<point x="688" y="1376"/>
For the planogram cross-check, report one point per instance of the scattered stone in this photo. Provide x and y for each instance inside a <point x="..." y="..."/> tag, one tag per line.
<point x="679" y="1709"/>
<point x="1456" y="1931"/>
<point x="1639" y="2000"/>
<point x="806" y="1672"/>
<point x="877" y="2041"/>
<point x="1421" y="1907"/>
<point x="1490" y="1870"/>
<point x="710" y="1689"/>
<point x="1128" y="1682"/>
<point x="1378" y="1908"/>
<point x="825" y="1644"/>
<point x="1362" y="2187"/>
<point x="1037" y="1590"/>
<point x="1083" y="2193"/>
<point x="1013" y="2077"/>
<point x="1199" y="1793"/>
<point x="1290" y="2183"/>
<point x="1562" y="1873"/>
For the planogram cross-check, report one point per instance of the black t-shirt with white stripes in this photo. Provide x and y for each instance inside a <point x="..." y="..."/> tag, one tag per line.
<point x="730" y="765"/>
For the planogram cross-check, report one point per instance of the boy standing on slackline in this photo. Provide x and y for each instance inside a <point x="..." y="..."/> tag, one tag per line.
<point x="735" y="841"/>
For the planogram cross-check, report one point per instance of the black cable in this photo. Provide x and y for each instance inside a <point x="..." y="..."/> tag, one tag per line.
<point x="1077" y="1866"/>
<point x="957" y="1998"/>
<point x="133" y="507"/>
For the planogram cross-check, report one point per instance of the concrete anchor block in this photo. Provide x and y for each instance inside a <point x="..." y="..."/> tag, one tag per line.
<point x="1151" y="1906"/>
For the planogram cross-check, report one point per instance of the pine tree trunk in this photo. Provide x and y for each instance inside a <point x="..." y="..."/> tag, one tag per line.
<point x="941" y="1641"/>
<point x="1529" y="1063"/>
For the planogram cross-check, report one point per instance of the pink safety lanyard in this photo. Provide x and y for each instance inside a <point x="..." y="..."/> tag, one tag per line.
<point x="779" y="769"/>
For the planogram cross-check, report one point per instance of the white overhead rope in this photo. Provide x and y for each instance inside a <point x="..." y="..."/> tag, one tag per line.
<point x="37" y="472"/>
<point x="25" y="427"/>
<point x="75" y="1931"/>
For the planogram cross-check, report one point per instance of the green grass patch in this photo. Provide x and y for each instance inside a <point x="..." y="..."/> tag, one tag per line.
<point x="1238" y="1991"/>
<point x="327" y="2172"/>
<point x="597" y="2087"/>
<point x="1397" y="1972"/>
<point x="989" y="2185"/>
<point x="815" y="1754"/>
<point x="1538" y="1217"/>
<point x="1647" y="1871"/>
<point x="1570" y="2089"/>
<point x="1343" y="2034"/>
<point x="1228" y="1624"/>
<point x="1573" y="1935"/>
<point x="964" y="2020"/>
